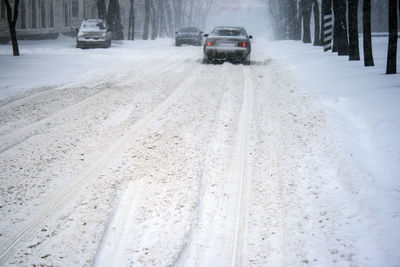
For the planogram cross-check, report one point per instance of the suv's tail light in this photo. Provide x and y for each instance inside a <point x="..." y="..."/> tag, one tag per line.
<point x="210" y="43"/>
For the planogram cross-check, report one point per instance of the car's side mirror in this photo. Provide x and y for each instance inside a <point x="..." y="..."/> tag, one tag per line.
<point x="250" y="36"/>
<point x="206" y="35"/>
<point x="77" y="29"/>
<point x="176" y="32"/>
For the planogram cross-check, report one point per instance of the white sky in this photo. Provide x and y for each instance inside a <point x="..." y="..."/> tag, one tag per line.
<point x="251" y="14"/>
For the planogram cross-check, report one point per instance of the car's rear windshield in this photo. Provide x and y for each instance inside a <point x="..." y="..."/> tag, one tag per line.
<point x="93" y="24"/>
<point x="189" y="29"/>
<point x="228" y="32"/>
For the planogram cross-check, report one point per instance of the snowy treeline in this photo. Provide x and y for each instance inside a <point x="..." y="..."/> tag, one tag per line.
<point x="337" y="24"/>
<point x="161" y="18"/>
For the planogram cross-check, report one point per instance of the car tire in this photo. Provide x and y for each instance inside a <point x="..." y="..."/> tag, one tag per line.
<point x="177" y="43"/>
<point x="205" y="60"/>
<point x="246" y="61"/>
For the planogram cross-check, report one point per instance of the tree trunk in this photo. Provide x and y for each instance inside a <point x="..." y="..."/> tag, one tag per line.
<point x="354" y="51"/>
<point x="153" y="21"/>
<point x="146" y="20"/>
<point x="367" y="43"/>
<point x="278" y="13"/>
<point x="101" y="9"/>
<point x="340" y="41"/>
<point x="306" y="6"/>
<point x="161" y="12"/>
<point x="180" y="13"/>
<point x="317" y="23"/>
<point x="191" y="13"/>
<point x="294" y="30"/>
<point x="12" y="22"/>
<point x="114" y="20"/>
<point x="169" y="19"/>
<point x="393" y="35"/>
<point x="131" y="27"/>
<point x="297" y="24"/>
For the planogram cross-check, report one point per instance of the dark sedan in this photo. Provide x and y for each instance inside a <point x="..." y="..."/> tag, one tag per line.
<point x="227" y="44"/>
<point x="189" y="35"/>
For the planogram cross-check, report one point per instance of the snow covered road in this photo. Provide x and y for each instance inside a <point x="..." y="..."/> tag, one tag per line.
<point x="159" y="160"/>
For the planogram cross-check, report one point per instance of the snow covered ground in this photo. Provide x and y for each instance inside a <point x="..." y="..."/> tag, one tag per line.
<point x="141" y="155"/>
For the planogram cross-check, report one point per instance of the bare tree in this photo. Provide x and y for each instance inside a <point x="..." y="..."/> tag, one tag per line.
<point x="340" y="41"/>
<point x="279" y="15"/>
<point x="190" y="15"/>
<point x="177" y="4"/>
<point x="154" y="24"/>
<point x="101" y="9"/>
<point x="274" y="12"/>
<point x="286" y="18"/>
<point x="393" y="36"/>
<point x="131" y="25"/>
<point x="114" y="20"/>
<point x="317" y="23"/>
<point x="162" y="19"/>
<point x="305" y="7"/>
<point x="12" y="18"/>
<point x="354" y="51"/>
<point x="146" y="20"/>
<point x="294" y="20"/>
<point x="367" y="43"/>
<point x="169" y="19"/>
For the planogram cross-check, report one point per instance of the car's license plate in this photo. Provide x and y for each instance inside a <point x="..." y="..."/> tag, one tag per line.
<point x="226" y="44"/>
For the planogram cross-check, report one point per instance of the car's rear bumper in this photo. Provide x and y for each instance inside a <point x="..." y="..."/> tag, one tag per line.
<point x="92" y="43"/>
<point x="188" y="40"/>
<point x="226" y="53"/>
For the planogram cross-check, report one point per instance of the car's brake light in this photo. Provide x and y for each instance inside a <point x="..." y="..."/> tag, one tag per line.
<point x="209" y="43"/>
<point x="242" y="44"/>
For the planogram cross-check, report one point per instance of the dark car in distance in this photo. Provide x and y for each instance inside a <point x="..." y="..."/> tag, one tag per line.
<point x="189" y="35"/>
<point x="227" y="44"/>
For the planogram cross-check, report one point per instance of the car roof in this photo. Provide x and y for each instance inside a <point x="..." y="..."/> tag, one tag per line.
<point x="228" y="28"/>
<point x="94" y="20"/>
<point x="190" y="28"/>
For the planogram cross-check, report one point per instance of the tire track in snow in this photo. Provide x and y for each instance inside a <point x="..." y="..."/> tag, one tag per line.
<point x="94" y="170"/>
<point x="215" y="237"/>
<point x="242" y="168"/>
<point x="28" y="131"/>
<point x="113" y="250"/>
<point x="111" y="247"/>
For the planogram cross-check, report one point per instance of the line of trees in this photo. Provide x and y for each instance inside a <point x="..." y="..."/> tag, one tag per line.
<point x="292" y="20"/>
<point x="161" y="17"/>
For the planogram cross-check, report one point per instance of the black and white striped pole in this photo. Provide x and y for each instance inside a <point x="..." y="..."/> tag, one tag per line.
<point x="327" y="29"/>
